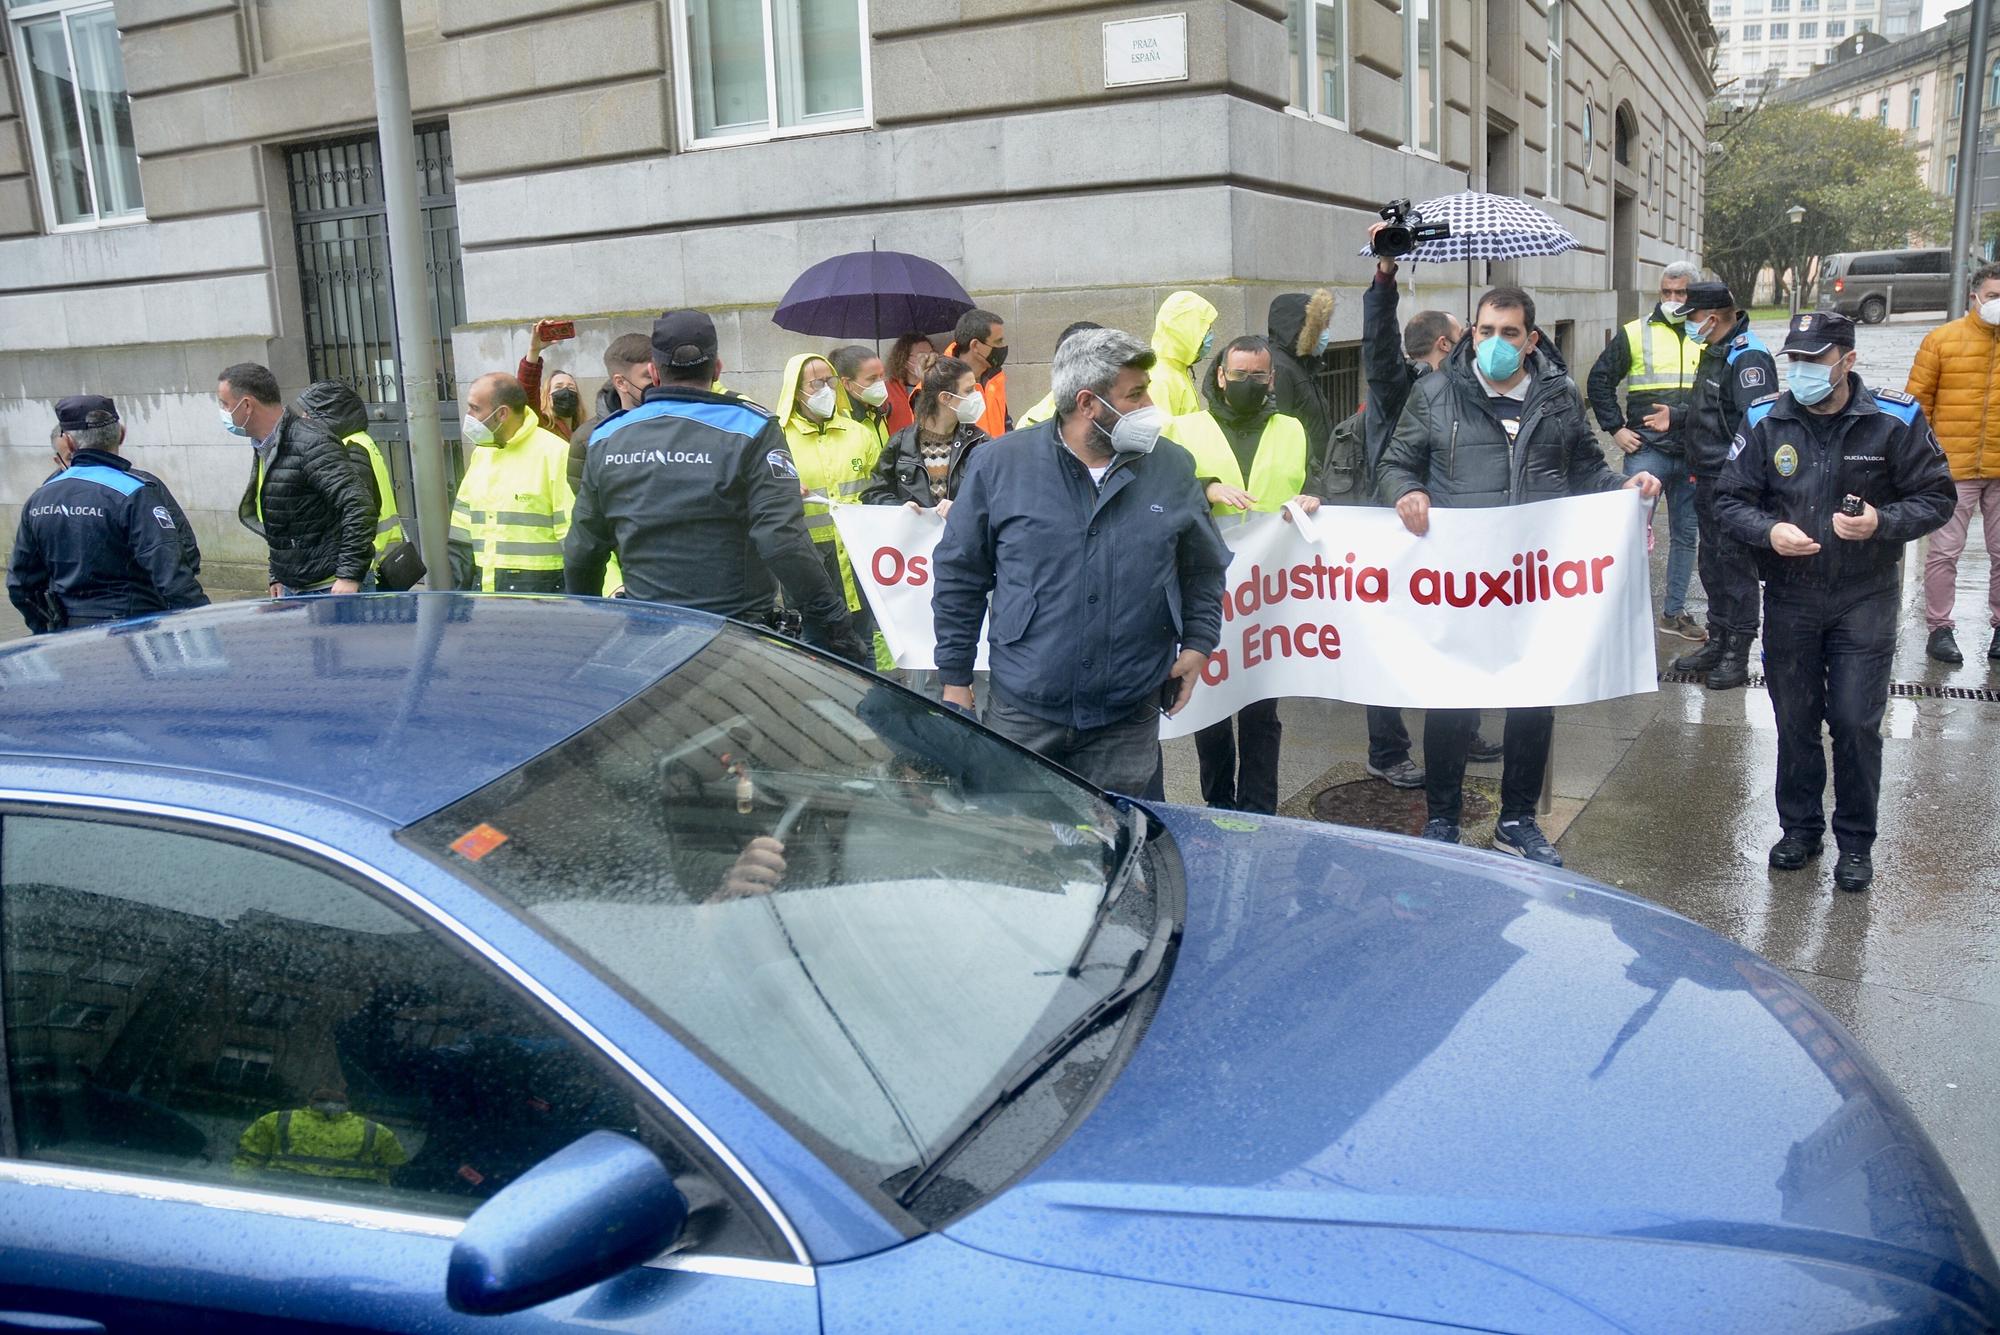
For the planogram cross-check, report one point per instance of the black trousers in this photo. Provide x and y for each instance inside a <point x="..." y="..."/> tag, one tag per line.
<point x="1239" y="760"/>
<point x="1728" y="570"/>
<point x="1448" y="735"/>
<point x="1388" y="739"/>
<point x="1827" y="657"/>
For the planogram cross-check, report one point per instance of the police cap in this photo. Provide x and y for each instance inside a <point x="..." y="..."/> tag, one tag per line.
<point x="1710" y="297"/>
<point x="684" y="338"/>
<point x="80" y="412"/>
<point x="1814" y="332"/>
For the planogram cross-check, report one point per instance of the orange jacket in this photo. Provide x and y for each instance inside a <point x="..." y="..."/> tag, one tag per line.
<point x="1956" y="380"/>
<point x="994" y="421"/>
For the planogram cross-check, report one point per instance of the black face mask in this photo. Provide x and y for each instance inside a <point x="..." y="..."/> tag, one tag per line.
<point x="564" y="402"/>
<point x="1245" y="396"/>
<point x="996" y="357"/>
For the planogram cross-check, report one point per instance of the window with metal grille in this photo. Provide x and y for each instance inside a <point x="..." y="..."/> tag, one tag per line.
<point x="340" y="218"/>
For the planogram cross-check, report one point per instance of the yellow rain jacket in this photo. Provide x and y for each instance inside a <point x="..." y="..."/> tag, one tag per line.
<point x="1043" y="410"/>
<point x="514" y="504"/>
<point x="1277" y="474"/>
<point x="835" y="459"/>
<point x="1184" y="321"/>
<point x="306" y="1141"/>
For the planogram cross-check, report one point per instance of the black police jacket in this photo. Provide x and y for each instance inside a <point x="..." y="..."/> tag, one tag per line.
<point x="698" y="496"/>
<point x="315" y="513"/>
<point x="1449" y="444"/>
<point x="1736" y="371"/>
<point x="1878" y="447"/>
<point x="99" y="540"/>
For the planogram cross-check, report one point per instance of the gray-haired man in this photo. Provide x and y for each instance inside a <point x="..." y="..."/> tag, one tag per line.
<point x="1658" y="362"/>
<point x="1104" y="569"/>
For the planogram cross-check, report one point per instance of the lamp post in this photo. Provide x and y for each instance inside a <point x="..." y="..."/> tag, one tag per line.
<point x="1797" y="213"/>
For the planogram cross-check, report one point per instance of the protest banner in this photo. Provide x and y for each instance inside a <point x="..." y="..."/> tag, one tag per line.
<point x="1543" y="604"/>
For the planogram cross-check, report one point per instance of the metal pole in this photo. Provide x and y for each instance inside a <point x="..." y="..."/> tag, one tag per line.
<point x="416" y="326"/>
<point x="1965" y="217"/>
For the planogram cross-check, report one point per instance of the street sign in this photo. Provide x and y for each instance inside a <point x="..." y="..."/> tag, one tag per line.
<point x="1153" y="50"/>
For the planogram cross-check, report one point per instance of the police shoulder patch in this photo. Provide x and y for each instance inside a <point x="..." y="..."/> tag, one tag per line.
<point x="161" y="516"/>
<point x="1737" y="444"/>
<point x="1740" y="341"/>
<point x="781" y="465"/>
<point x="1751" y="377"/>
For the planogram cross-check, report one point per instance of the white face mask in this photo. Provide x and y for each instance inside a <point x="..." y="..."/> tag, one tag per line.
<point x="1138" y="431"/>
<point x="1989" y="311"/>
<point x="970" y="408"/>
<point x="820" y="402"/>
<point x="875" y="395"/>
<point x="476" y="431"/>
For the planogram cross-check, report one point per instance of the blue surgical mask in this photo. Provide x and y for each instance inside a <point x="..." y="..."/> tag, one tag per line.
<point x="1207" y="346"/>
<point x="1695" y="336"/>
<point x="1810" y="382"/>
<point x="1498" y="359"/>
<point x="229" y="423"/>
<point x="1325" y="342"/>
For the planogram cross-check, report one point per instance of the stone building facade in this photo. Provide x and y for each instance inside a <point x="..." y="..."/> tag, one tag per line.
<point x="604" y="159"/>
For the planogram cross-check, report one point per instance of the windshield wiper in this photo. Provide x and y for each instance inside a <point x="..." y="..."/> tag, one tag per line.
<point x="1133" y="824"/>
<point x="1140" y="972"/>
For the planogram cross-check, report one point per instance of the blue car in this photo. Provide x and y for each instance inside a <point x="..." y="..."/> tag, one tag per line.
<point x="440" y="963"/>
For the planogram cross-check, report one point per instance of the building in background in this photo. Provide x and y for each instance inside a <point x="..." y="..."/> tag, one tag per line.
<point x="189" y="183"/>
<point x="1917" y="86"/>
<point x="1765" y="44"/>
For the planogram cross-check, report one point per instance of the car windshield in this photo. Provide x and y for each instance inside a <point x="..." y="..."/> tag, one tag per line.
<point x="934" y="926"/>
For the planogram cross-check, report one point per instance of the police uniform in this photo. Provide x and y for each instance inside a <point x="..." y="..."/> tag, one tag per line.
<point x="1830" y="617"/>
<point x="697" y="495"/>
<point x="99" y="541"/>
<point x="1735" y="371"/>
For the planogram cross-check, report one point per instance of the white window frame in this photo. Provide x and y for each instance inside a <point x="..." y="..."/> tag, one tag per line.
<point x="1558" y="94"/>
<point x="690" y="140"/>
<point x="16" y="17"/>
<point x="1410" y="80"/>
<point x="1309" y="50"/>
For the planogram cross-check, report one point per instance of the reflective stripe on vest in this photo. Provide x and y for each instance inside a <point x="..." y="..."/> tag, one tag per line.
<point x="360" y="1164"/>
<point x="1661" y="358"/>
<point x="388" y="523"/>
<point x="1277" y="474"/>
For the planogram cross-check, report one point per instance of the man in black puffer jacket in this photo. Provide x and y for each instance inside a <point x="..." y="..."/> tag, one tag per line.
<point x="1500" y="423"/>
<point x="305" y="497"/>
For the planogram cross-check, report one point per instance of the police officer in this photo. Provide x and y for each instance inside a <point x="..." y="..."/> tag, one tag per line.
<point x="98" y="541"/>
<point x="698" y="496"/>
<point x="1736" y="370"/>
<point x="1826" y="482"/>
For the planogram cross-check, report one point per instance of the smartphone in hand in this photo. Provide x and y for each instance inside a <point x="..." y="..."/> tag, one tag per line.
<point x="555" y="331"/>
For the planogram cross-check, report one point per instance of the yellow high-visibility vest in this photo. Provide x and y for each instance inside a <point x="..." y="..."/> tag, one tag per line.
<point x="388" y="524"/>
<point x="1277" y="474"/>
<point x="1661" y="358"/>
<point x="513" y="506"/>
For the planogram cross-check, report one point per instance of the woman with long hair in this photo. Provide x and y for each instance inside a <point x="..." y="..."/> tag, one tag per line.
<point x="923" y="463"/>
<point x="909" y="358"/>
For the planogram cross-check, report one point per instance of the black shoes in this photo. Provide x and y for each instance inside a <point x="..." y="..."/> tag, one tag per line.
<point x="1483" y="752"/>
<point x="1734" y="669"/>
<point x="1405" y="773"/>
<point x="1705" y="658"/>
<point x="1943" y="646"/>
<point x="1524" y="839"/>
<point x="1853" y="872"/>
<point x="1443" y="831"/>
<point x="1793" y="852"/>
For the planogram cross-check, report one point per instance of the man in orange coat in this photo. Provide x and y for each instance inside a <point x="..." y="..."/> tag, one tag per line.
<point x="1956" y="380"/>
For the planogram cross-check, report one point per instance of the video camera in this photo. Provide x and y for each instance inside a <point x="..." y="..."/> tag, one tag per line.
<point x="1405" y="232"/>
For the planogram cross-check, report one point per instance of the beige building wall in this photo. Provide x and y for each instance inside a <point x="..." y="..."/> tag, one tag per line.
<point x="991" y="144"/>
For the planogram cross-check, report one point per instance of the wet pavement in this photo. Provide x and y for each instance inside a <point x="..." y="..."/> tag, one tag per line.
<point x="1669" y="796"/>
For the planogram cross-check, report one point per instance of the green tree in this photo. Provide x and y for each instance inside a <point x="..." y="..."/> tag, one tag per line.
<point x="1857" y="180"/>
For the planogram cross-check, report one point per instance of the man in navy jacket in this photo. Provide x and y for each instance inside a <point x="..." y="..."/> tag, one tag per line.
<point x="1104" y="569"/>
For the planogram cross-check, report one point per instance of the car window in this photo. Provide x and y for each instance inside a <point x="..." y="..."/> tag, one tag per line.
<point x="198" y="1009"/>
<point x="1928" y="261"/>
<point x="932" y="925"/>
<point x="1868" y="266"/>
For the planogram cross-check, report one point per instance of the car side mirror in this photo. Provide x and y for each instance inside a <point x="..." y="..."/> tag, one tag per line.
<point x="593" y="1210"/>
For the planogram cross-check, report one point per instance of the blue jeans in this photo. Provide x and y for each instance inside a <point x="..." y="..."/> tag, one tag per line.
<point x="1683" y="522"/>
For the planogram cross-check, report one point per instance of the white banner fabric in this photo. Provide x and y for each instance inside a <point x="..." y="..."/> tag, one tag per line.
<point x="1544" y="604"/>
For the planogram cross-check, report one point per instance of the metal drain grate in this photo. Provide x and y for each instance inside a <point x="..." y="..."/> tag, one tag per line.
<point x="1908" y="690"/>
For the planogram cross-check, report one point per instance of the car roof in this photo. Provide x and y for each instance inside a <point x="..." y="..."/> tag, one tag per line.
<point x="394" y="703"/>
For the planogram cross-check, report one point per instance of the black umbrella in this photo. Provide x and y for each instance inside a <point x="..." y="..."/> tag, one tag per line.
<point x="872" y="294"/>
